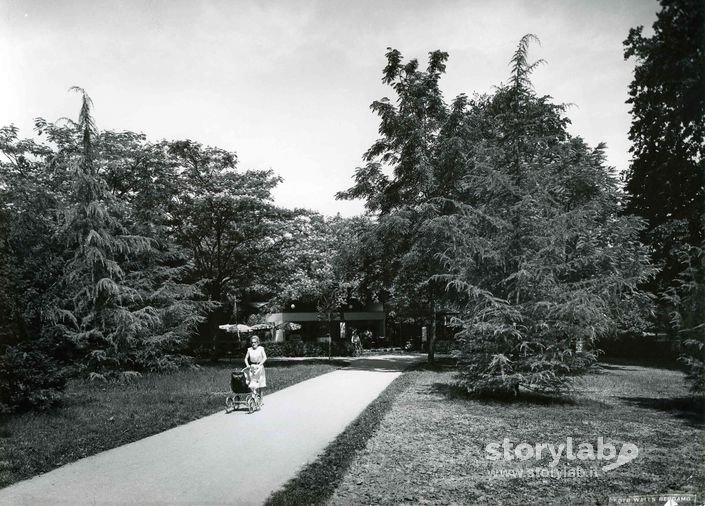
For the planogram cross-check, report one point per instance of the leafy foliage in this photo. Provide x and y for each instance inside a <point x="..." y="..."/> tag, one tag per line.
<point x="414" y="147"/>
<point x="687" y="300"/>
<point x="28" y="263"/>
<point x="494" y="211"/>
<point x="323" y="264"/>
<point x="227" y="222"/>
<point x="101" y="307"/>
<point x="118" y="251"/>
<point x="666" y="179"/>
<point x="540" y="257"/>
<point x="29" y="378"/>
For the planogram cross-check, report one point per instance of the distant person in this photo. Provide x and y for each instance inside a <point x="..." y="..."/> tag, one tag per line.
<point x="254" y="360"/>
<point x="356" y="342"/>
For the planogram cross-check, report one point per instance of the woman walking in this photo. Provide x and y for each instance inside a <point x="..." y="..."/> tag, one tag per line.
<point x="254" y="360"/>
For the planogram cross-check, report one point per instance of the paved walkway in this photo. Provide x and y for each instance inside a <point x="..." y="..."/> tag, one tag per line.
<point x="233" y="458"/>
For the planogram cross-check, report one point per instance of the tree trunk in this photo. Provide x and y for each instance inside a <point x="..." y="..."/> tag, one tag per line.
<point x="432" y="339"/>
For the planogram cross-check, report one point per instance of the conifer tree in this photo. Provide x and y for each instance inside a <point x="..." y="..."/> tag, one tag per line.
<point x="541" y="261"/>
<point x="102" y="308"/>
<point x="516" y="221"/>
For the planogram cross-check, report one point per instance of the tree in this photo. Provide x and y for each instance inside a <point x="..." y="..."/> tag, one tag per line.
<point x="687" y="298"/>
<point x="541" y="261"/>
<point x="307" y="246"/>
<point x="92" y="301"/>
<point x="147" y="179"/>
<point x="28" y="200"/>
<point x="666" y="178"/>
<point x="321" y="263"/>
<point x="407" y="201"/>
<point x="226" y="219"/>
<point x="116" y="301"/>
<point x="30" y="377"/>
<point x="492" y="209"/>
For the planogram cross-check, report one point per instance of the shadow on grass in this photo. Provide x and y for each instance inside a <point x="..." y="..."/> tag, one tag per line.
<point x="665" y="362"/>
<point x="273" y="363"/>
<point x="603" y="368"/>
<point x="278" y="363"/>
<point x="454" y="391"/>
<point x="442" y="364"/>
<point x="690" y="409"/>
<point x="388" y="363"/>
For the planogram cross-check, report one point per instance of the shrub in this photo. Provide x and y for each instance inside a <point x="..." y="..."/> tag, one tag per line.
<point x="444" y="346"/>
<point x="29" y="378"/>
<point x="687" y="301"/>
<point x="307" y="349"/>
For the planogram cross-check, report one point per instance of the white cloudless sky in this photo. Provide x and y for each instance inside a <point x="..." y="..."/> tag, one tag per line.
<point x="287" y="84"/>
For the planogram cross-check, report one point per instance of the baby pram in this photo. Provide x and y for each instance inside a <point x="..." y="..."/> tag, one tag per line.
<point x="241" y="393"/>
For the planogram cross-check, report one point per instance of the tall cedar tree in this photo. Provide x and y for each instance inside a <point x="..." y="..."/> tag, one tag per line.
<point x="539" y="257"/>
<point x="145" y="180"/>
<point x="666" y="179"/>
<point x="516" y="221"/>
<point x="114" y="316"/>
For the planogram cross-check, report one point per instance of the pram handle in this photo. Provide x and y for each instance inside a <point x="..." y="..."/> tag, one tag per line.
<point x="243" y="370"/>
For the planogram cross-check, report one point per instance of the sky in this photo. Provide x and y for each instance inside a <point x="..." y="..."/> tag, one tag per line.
<point x="287" y="84"/>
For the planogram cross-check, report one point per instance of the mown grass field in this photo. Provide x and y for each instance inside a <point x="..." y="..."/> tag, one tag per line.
<point x="424" y="442"/>
<point x="431" y="447"/>
<point x="96" y="416"/>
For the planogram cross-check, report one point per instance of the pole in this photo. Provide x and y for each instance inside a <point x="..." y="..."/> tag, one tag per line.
<point x="432" y="340"/>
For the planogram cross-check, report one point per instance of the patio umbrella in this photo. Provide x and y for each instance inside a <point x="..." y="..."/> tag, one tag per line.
<point x="261" y="326"/>
<point x="237" y="327"/>
<point x="290" y="326"/>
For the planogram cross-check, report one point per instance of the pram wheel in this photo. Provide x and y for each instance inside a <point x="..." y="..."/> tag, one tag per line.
<point x="230" y="403"/>
<point x="251" y="404"/>
<point x="254" y="402"/>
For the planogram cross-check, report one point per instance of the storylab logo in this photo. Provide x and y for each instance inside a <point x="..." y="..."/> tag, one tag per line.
<point x="605" y="452"/>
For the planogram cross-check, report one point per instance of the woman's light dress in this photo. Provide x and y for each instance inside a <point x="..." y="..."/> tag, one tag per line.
<point x="258" y="378"/>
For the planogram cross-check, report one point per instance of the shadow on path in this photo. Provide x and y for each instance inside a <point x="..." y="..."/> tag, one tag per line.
<point x="385" y="363"/>
<point x="280" y="363"/>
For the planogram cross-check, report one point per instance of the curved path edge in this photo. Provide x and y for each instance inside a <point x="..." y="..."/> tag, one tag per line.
<point x="233" y="458"/>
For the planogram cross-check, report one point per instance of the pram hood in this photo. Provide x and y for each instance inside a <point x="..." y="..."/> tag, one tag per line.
<point x="239" y="382"/>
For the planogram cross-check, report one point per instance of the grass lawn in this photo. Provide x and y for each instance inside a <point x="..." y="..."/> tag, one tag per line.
<point x="96" y="416"/>
<point x="430" y="447"/>
<point x="318" y="480"/>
